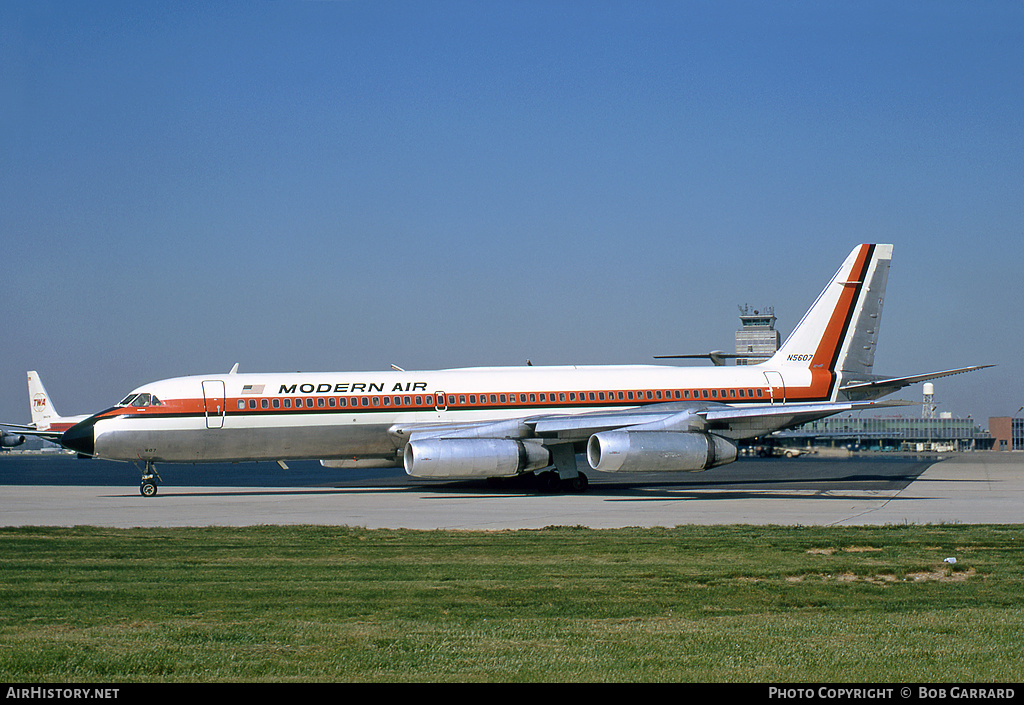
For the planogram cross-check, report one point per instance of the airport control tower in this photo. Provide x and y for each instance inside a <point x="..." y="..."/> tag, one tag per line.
<point x="757" y="340"/>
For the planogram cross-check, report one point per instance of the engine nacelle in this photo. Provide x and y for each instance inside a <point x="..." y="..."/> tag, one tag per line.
<point x="657" y="451"/>
<point x="474" y="457"/>
<point x="10" y="440"/>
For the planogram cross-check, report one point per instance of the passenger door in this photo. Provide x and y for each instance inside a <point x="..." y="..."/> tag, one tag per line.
<point x="214" y="401"/>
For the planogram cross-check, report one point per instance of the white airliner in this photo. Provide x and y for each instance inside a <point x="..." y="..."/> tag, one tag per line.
<point x="494" y="422"/>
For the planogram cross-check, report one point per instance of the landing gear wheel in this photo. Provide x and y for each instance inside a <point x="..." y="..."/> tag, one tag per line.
<point x="549" y="482"/>
<point x="578" y="484"/>
<point x="149" y="478"/>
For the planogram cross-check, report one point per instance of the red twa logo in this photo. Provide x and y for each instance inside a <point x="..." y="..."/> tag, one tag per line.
<point x="39" y="403"/>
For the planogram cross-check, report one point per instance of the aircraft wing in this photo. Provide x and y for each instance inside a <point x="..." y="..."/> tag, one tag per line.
<point x="31" y="431"/>
<point x="880" y="387"/>
<point x="724" y="420"/>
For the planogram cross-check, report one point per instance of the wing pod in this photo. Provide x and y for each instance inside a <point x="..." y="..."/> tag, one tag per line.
<point x="474" y="457"/>
<point x="657" y="451"/>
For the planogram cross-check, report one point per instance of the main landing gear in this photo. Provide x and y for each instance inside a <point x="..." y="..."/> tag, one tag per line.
<point x="149" y="478"/>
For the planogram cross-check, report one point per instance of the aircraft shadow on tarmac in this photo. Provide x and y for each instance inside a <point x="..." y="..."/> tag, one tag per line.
<point x="786" y="479"/>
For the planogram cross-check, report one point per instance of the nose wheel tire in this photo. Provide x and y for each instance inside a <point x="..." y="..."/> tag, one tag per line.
<point x="148" y="489"/>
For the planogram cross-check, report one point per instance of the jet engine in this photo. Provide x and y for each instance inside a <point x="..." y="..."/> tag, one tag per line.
<point x="657" y="451"/>
<point x="10" y="440"/>
<point x="474" y="457"/>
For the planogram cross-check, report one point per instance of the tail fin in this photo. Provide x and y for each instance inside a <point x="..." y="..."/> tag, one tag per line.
<point x="839" y="332"/>
<point x="43" y="413"/>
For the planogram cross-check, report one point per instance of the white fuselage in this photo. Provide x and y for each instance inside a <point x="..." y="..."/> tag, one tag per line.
<point x="345" y="416"/>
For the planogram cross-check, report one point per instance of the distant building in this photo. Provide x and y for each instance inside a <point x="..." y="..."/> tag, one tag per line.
<point x="1007" y="433"/>
<point x="943" y="434"/>
<point x="757" y="340"/>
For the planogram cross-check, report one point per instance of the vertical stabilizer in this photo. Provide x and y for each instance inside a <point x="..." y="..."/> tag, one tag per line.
<point x="840" y="330"/>
<point x="43" y="413"/>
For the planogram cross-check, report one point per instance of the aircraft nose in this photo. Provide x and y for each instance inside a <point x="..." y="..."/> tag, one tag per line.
<point x="79" y="438"/>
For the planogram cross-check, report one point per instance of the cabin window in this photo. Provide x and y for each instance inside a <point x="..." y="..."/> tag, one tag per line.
<point x="419" y="401"/>
<point x="408" y="401"/>
<point x="252" y="403"/>
<point x="287" y="403"/>
<point x="462" y="398"/>
<point x="264" y="403"/>
<point x="342" y="401"/>
<point x="276" y="403"/>
<point x="241" y="403"/>
<point x="321" y="403"/>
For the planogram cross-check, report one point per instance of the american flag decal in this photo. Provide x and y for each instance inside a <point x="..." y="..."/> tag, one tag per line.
<point x="253" y="389"/>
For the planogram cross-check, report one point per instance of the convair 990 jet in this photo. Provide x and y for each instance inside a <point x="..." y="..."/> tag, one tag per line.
<point x="499" y="422"/>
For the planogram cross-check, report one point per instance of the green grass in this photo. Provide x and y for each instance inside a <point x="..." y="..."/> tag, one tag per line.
<point x="741" y="604"/>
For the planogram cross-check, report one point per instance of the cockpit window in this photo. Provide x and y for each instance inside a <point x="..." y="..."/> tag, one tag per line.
<point x="144" y="399"/>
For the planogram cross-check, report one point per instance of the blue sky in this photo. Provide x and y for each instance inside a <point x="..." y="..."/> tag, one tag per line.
<point x="349" y="185"/>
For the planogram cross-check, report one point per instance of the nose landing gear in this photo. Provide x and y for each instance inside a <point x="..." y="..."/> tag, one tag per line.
<point x="149" y="478"/>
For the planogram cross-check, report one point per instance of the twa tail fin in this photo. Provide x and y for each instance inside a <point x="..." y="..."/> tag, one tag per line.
<point x="43" y="413"/>
<point x="840" y="330"/>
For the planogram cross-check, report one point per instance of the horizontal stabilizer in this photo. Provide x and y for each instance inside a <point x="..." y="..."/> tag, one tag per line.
<point x="881" y="387"/>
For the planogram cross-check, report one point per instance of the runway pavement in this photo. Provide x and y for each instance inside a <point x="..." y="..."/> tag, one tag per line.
<point x="971" y="488"/>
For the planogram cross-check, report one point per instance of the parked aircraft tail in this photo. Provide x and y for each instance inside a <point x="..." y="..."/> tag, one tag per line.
<point x="43" y="412"/>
